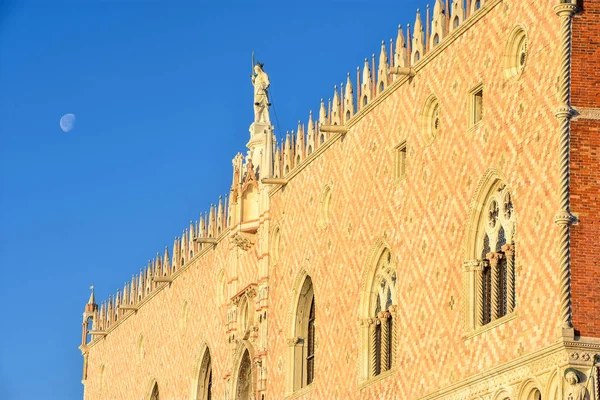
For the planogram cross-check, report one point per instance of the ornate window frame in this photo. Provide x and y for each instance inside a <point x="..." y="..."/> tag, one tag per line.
<point x="516" y="53"/>
<point x="378" y="324"/>
<point x="245" y="312"/>
<point x="489" y="274"/>
<point x="430" y="120"/>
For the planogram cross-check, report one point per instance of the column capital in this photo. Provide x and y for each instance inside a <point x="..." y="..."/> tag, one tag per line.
<point x="508" y="249"/>
<point x="565" y="9"/>
<point x="383" y="315"/>
<point x="564" y="217"/>
<point x="494" y="257"/>
<point x="564" y="111"/>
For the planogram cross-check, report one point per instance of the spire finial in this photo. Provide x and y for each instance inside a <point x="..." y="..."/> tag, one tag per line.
<point x="91" y="304"/>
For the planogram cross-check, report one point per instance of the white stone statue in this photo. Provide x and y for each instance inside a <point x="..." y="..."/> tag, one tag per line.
<point x="575" y="390"/>
<point x="261" y="83"/>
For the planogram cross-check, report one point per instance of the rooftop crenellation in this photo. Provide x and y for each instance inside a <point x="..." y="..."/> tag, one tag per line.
<point x="196" y="237"/>
<point x="372" y="79"/>
<point x="394" y="62"/>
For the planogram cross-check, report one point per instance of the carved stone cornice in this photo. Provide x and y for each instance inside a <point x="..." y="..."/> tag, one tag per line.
<point x="249" y="291"/>
<point x="236" y="300"/>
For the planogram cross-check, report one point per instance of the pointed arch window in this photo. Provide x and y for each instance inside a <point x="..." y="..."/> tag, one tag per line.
<point x="379" y="319"/>
<point x="155" y="395"/>
<point x="204" y="389"/>
<point x="493" y="274"/>
<point x="244" y="379"/>
<point x="301" y="372"/>
<point x="383" y="322"/>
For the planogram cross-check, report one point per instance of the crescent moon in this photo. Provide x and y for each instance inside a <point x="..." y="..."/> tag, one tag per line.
<point x="67" y="122"/>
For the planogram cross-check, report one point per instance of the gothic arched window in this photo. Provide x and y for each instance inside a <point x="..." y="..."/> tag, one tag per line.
<point x="492" y="268"/>
<point x="204" y="389"/>
<point x="302" y="344"/>
<point x="154" y="395"/>
<point x="379" y="317"/>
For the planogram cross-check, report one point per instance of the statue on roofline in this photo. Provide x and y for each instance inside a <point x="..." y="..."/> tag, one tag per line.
<point x="261" y="83"/>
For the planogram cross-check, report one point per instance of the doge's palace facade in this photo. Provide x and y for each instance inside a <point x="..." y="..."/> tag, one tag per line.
<point x="431" y="233"/>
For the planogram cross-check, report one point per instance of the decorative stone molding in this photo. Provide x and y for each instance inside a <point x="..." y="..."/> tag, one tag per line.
<point x="586" y="113"/>
<point x="533" y="370"/>
<point x="243" y="240"/>
<point x="473" y="265"/>
<point x="293" y="341"/>
<point x="249" y="291"/>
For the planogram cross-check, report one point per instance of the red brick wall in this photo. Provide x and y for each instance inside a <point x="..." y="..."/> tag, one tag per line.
<point x="585" y="178"/>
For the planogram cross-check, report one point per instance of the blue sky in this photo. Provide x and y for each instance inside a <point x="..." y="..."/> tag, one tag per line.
<point x="162" y="95"/>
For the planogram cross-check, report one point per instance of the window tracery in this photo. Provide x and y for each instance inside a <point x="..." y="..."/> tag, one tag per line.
<point x="516" y="53"/>
<point x="431" y="120"/>
<point x="380" y="318"/>
<point x="495" y="280"/>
